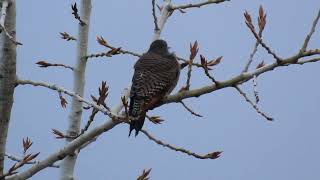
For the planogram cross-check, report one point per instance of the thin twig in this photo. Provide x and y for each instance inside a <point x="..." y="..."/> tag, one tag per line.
<point x="213" y="155"/>
<point x="72" y="94"/>
<point x="312" y="30"/>
<point x="190" y="110"/>
<point x="193" y="52"/>
<point x="206" y="69"/>
<point x="67" y="37"/>
<point x="76" y="15"/>
<point x="255" y="49"/>
<point x="113" y="50"/>
<point x="89" y="122"/>
<point x="255" y="89"/>
<point x="197" y="5"/>
<point x="44" y="64"/>
<point x="259" y="39"/>
<point x="252" y="104"/>
<point x="155" y="19"/>
<point x="144" y="175"/>
<point x="17" y="159"/>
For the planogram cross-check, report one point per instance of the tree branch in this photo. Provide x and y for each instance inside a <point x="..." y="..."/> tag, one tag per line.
<point x="165" y="14"/>
<point x="312" y="30"/>
<point x="44" y="64"/>
<point x="17" y="159"/>
<point x="255" y="49"/>
<point x="74" y="95"/>
<point x="241" y="78"/>
<point x="190" y="110"/>
<point x="197" y="5"/>
<point x="212" y="155"/>
<point x="155" y="20"/>
<point x="252" y="104"/>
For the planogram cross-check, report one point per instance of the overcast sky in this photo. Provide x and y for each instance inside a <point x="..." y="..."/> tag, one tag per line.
<point x="253" y="148"/>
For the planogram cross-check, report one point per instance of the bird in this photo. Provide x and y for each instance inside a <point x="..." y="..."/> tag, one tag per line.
<point x="156" y="74"/>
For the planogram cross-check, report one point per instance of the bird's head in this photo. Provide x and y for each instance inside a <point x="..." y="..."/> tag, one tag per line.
<point x="159" y="46"/>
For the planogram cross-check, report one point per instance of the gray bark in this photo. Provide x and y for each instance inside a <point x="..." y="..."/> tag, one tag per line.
<point x="7" y="78"/>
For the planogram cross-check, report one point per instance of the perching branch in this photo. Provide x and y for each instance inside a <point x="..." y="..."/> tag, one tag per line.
<point x="241" y="78"/>
<point x="213" y="155"/>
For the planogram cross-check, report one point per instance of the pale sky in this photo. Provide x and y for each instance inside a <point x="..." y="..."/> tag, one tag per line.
<point x="253" y="148"/>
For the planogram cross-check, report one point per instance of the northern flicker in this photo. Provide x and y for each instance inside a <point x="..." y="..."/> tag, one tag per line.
<point x="156" y="74"/>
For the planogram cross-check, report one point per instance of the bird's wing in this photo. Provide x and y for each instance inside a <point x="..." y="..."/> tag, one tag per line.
<point x="154" y="75"/>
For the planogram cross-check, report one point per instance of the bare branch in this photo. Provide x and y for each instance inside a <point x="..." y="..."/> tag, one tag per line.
<point x="144" y="175"/>
<point x="241" y="78"/>
<point x="255" y="89"/>
<point x="190" y="110"/>
<point x="82" y="141"/>
<point x="67" y="37"/>
<point x="255" y="49"/>
<point x="155" y="20"/>
<point x="72" y="94"/>
<point x="113" y="50"/>
<point x="197" y="5"/>
<point x="259" y="39"/>
<point x="76" y="15"/>
<point x="252" y="104"/>
<point x="193" y="53"/>
<point x="213" y="155"/>
<point x="165" y="14"/>
<point x="17" y="159"/>
<point x="205" y="67"/>
<point x="25" y="160"/>
<point x="312" y="30"/>
<point x="63" y="152"/>
<point x="44" y="64"/>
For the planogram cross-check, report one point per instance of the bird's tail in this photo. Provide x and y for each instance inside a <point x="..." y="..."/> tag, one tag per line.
<point x="136" y="114"/>
<point x="136" y="124"/>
